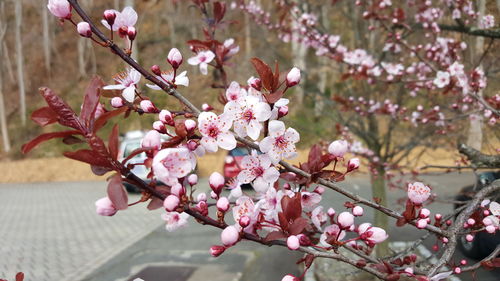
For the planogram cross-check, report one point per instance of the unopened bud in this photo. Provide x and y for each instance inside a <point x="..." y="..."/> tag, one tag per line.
<point x="109" y="16"/>
<point x="217" y="250"/>
<point x="160" y="127"/>
<point x="223" y="204"/>
<point x="116" y="102"/>
<point x="353" y="164"/>
<point x="255" y="83"/>
<point x="190" y="125"/>
<point x="171" y="203"/>
<point x="193" y="180"/>
<point x="151" y="140"/>
<point x="304" y="240"/>
<point x="292" y="242"/>
<point x="469" y="237"/>
<point x="84" y="29"/>
<point x="216" y="182"/>
<point x="192" y="145"/>
<point x="156" y="69"/>
<point x="244" y="221"/>
<point x="229" y="236"/>
<point x="202" y="208"/>
<point x="282" y="111"/>
<point x="293" y="77"/>
<point x="357" y="211"/>
<point x="424" y="213"/>
<point x="167" y="117"/>
<point x="206" y="107"/>
<point x="178" y="190"/>
<point x="148" y="107"/>
<point x="174" y="58"/>
<point x="131" y="33"/>
<point x="422" y="223"/>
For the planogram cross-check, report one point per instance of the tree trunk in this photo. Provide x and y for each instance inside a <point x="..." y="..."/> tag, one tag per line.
<point x="20" y="61"/>
<point x="380" y="220"/>
<point x="3" y="114"/>
<point x="248" y="36"/>
<point x="135" y="51"/>
<point x="299" y="52"/>
<point x="46" y="37"/>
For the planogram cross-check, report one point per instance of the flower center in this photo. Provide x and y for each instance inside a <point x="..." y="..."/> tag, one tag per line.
<point x="280" y="142"/>
<point x="248" y="115"/>
<point x="203" y="58"/>
<point x="213" y="131"/>
<point x="258" y="171"/>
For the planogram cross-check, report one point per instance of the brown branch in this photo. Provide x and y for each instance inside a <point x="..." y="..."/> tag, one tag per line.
<point x="477" y="265"/>
<point x="488" y="33"/>
<point x="479" y="159"/>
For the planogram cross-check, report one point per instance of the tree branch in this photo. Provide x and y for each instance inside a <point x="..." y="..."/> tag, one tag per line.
<point x="479" y="159"/>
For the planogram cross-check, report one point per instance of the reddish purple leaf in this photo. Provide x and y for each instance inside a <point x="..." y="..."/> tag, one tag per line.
<point x="67" y="116"/>
<point x="298" y="226"/>
<point x="275" y="235"/>
<point x="44" y="116"/>
<point x="265" y="73"/>
<point x="88" y="156"/>
<point x="91" y="100"/>
<point x="19" y="276"/>
<point x="219" y="11"/>
<point x="292" y="207"/>
<point x="113" y="142"/>
<point x="99" y="171"/>
<point x="27" y="147"/>
<point x="117" y="193"/>
<point x="101" y="121"/>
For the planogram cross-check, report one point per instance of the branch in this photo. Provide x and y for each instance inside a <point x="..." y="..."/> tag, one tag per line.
<point x="479" y="159"/>
<point x="488" y="33"/>
<point x="477" y="265"/>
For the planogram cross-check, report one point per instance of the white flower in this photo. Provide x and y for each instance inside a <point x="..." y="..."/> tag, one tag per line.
<point x="310" y="200"/>
<point x="233" y="48"/>
<point x="276" y="107"/>
<point x="247" y="116"/>
<point x="127" y="18"/>
<point x="214" y="130"/>
<point x="280" y="143"/>
<point x="172" y="163"/>
<point x="174" y="220"/>
<point x="127" y="81"/>
<point x="202" y="58"/>
<point x="235" y="93"/>
<point x="331" y="231"/>
<point x="495" y="208"/>
<point x="318" y="217"/>
<point x="258" y="168"/>
<point x="442" y="79"/>
<point x="180" y="79"/>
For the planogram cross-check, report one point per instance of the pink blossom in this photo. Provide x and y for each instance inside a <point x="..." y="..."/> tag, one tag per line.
<point x="373" y="235"/>
<point x="171" y="203"/>
<point x="309" y="200"/>
<point x="231" y="46"/>
<point x="290" y="277"/>
<point x="126" y="18"/>
<point x="353" y="164"/>
<point x="257" y="168"/>
<point x="83" y="29"/>
<point x="127" y="82"/>
<point x="175" y="220"/>
<point x="60" y="8"/>
<point x="418" y="192"/>
<point x="345" y="219"/>
<point x="216" y="182"/>
<point x="192" y="179"/>
<point x="424" y="213"/>
<point x="223" y="204"/>
<point x="442" y="79"/>
<point x="116" y="102"/>
<point x="421" y="223"/>
<point x="331" y="231"/>
<point x="202" y="58"/>
<point x="214" y="130"/>
<point x="318" y="217"/>
<point x="235" y="93"/>
<point x="230" y="236"/>
<point x="248" y="115"/>
<point x="104" y="207"/>
<point x="292" y="242"/>
<point x="441" y="276"/>
<point x="280" y="143"/>
<point x="152" y="140"/>
<point x="172" y="163"/>
<point x="495" y="208"/>
<point x="245" y="207"/>
<point x="338" y="148"/>
<point x="174" y="57"/>
<point x="488" y="21"/>
<point x="148" y="107"/>
<point x="357" y="211"/>
<point x="168" y="76"/>
<point x="293" y="77"/>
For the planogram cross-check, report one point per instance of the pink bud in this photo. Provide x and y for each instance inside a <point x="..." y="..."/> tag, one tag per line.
<point x="304" y="240"/>
<point x="109" y="16"/>
<point x="357" y="211"/>
<point x="190" y="125"/>
<point x="255" y="83"/>
<point x="206" y="107"/>
<point x="244" y="221"/>
<point x="223" y="204"/>
<point x="104" y="207"/>
<point x="293" y="77"/>
<point x="229" y="236"/>
<point x="438" y="216"/>
<point x="213" y="195"/>
<point x="123" y="31"/>
<point x="418" y="192"/>
<point x="469" y="237"/>
<point x="457" y="270"/>
<point x="171" y="203"/>
<point x="319" y="189"/>
<point x="282" y="111"/>
<point x="131" y="33"/>
<point x="156" y="69"/>
<point x="116" y="102"/>
<point x="217" y="250"/>
<point x="178" y="190"/>
<point x="463" y="262"/>
<point x="353" y="164"/>
<point x="202" y="208"/>
<point x="151" y="140"/>
<point x="486" y="212"/>
<point x="293" y="242"/>
<point x="174" y="58"/>
<point x="422" y="223"/>
<point x="84" y="29"/>
<point x="331" y="212"/>
<point x="345" y="219"/>
<point x="193" y="180"/>
<point x="445" y="240"/>
<point x="471" y="222"/>
<point x="60" y="8"/>
<point x="424" y="213"/>
<point x="409" y="270"/>
<point x="148" y="107"/>
<point x="160" y="127"/>
<point x="490" y="229"/>
<point x="201" y="197"/>
<point x="290" y="277"/>
<point x="166" y="117"/>
<point x="338" y="148"/>
<point x="216" y="182"/>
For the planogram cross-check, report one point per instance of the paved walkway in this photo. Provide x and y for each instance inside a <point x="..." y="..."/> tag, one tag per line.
<point x="50" y="231"/>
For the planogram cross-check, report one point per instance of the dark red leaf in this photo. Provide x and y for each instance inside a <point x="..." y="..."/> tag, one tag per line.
<point x="113" y="142"/>
<point x="117" y="193"/>
<point x="309" y="260"/>
<point x="400" y="222"/>
<point x="136" y="152"/>
<point x="219" y="11"/>
<point x="265" y="73"/>
<point x="101" y="121"/>
<point x="298" y="226"/>
<point x="88" y="156"/>
<point x="200" y="45"/>
<point x="292" y="207"/>
<point x="283" y="221"/>
<point x="72" y="140"/>
<point x="19" y="276"/>
<point x="393" y="277"/>
<point x="97" y="145"/>
<point x="44" y="116"/>
<point x="99" y="171"/>
<point x="180" y="129"/>
<point x="276" y="78"/>
<point x="67" y="116"/>
<point x="275" y="235"/>
<point x="155" y="203"/>
<point x="273" y="97"/>
<point x="91" y="100"/>
<point x="27" y="147"/>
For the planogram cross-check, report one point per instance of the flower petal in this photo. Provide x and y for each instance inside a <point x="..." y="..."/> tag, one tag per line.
<point x="226" y="141"/>
<point x="129" y="93"/>
<point x="276" y="128"/>
<point x="210" y="144"/>
<point x="266" y="144"/>
<point x="114" y="87"/>
<point x="204" y="68"/>
<point x="245" y="176"/>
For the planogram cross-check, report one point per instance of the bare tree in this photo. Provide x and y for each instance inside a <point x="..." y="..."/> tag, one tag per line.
<point x="3" y="117"/>
<point x="20" y="60"/>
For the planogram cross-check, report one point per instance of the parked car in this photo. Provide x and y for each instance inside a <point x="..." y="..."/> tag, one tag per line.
<point x="130" y="142"/>
<point x="232" y="163"/>
<point x="484" y="243"/>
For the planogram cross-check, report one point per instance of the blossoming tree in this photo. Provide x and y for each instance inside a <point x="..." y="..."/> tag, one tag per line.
<point x="284" y="210"/>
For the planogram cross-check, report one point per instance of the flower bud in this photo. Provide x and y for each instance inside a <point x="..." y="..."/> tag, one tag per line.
<point x="131" y="33"/>
<point x="206" y="107"/>
<point x="424" y="213"/>
<point x="174" y="58"/>
<point x="290" y="277"/>
<point x="223" y="204"/>
<point x="469" y="237"/>
<point x="84" y="29"/>
<point x="338" y="148"/>
<point x="255" y="83"/>
<point x="357" y="211"/>
<point x="292" y="242"/>
<point x="331" y="212"/>
<point x="104" y="207"/>
<point x="160" y="127"/>
<point x="418" y="192"/>
<point x="438" y="217"/>
<point x="123" y="31"/>
<point x="213" y="195"/>
<point x="244" y="221"/>
<point x="109" y="16"/>
<point x="353" y="164"/>
<point x="156" y="69"/>
<point x="216" y="182"/>
<point x="60" y="8"/>
<point x="304" y="240"/>
<point x="148" y="107"/>
<point x="293" y="77"/>
<point x="421" y="223"/>
<point x="471" y="221"/>
<point x="282" y="111"/>
<point x="193" y="180"/>
<point x="345" y="219"/>
<point x="171" y="203"/>
<point x="167" y="117"/>
<point x="190" y="125"/>
<point x="217" y="250"/>
<point x="229" y="236"/>
<point x="116" y="102"/>
<point x="463" y="262"/>
<point x="202" y="208"/>
<point x="178" y="190"/>
<point x="151" y="140"/>
<point x="490" y="229"/>
<point x="457" y="270"/>
<point x="319" y="189"/>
